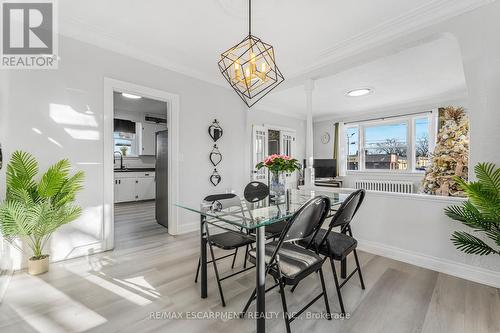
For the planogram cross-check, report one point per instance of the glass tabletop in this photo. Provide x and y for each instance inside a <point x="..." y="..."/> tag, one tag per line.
<point x="238" y="212"/>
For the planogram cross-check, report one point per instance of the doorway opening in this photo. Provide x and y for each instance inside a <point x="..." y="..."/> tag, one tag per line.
<point x="140" y="166"/>
<point x="268" y="140"/>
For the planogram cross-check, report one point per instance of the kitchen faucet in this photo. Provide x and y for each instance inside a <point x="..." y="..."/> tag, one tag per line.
<point x="121" y="158"/>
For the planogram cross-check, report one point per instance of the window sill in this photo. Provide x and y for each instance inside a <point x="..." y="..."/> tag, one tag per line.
<point x="395" y="196"/>
<point x="416" y="174"/>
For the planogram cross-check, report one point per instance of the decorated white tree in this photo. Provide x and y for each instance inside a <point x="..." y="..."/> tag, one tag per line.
<point x="451" y="155"/>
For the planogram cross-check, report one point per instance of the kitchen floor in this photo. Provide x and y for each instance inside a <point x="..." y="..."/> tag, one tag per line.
<point x="151" y="273"/>
<point x="135" y="224"/>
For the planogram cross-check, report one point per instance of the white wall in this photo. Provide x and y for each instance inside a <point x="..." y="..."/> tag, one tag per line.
<point x="56" y="101"/>
<point x="5" y="262"/>
<point x="413" y="228"/>
<point x="322" y="150"/>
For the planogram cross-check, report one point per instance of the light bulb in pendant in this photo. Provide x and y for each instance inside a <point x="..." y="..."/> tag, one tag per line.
<point x="237" y="71"/>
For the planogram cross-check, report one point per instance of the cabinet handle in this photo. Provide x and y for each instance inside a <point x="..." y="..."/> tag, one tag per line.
<point x="146" y="174"/>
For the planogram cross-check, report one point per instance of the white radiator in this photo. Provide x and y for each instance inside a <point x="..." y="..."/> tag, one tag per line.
<point x="385" y="186"/>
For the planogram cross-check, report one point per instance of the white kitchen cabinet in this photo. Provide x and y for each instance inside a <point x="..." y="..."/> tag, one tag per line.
<point x="134" y="186"/>
<point x="125" y="189"/>
<point x="147" y="139"/>
<point x="146" y="188"/>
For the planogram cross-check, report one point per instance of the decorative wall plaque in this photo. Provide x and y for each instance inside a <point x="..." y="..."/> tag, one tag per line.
<point x="215" y="156"/>
<point x="215" y="131"/>
<point x="215" y="178"/>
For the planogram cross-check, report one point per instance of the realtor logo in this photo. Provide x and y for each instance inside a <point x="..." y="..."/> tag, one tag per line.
<point x="28" y="35"/>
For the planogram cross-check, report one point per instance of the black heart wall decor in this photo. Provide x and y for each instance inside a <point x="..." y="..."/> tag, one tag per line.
<point x="215" y="178"/>
<point x="215" y="131"/>
<point x="215" y="156"/>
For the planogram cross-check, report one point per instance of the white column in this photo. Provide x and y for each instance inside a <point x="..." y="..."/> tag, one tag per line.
<point x="309" y="172"/>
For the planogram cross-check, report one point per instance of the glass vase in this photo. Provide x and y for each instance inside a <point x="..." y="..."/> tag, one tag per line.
<point x="277" y="187"/>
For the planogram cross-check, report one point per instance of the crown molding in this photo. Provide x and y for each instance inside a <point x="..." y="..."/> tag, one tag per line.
<point x="419" y="18"/>
<point x="84" y="32"/>
<point x="422" y="16"/>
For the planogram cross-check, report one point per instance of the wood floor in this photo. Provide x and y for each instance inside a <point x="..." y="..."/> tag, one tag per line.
<point x="150" y="275"/>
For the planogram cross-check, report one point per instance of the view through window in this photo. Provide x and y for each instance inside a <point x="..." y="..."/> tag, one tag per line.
<point x="386" y="147"/>
<point x="399" y="145"/>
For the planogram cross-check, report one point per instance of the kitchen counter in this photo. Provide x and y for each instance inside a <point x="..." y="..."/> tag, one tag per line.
<point x="135" y="170"/>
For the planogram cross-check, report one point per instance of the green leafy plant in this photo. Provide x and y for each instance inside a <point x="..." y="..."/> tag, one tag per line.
<point x="481" y="212"/>
<point x="34" y="210"/>
<point x="279" y="163"/>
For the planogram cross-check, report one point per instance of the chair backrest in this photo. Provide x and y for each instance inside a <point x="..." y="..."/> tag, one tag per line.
<point x="305" y="222"/>
<point x="218" y="202"/>
<point x="347" y="209"/>
<point x="256" y="191"/>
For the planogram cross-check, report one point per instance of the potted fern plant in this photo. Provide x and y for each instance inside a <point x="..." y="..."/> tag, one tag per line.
<point x="34" y="209"/>
<point x="481" y="212"/>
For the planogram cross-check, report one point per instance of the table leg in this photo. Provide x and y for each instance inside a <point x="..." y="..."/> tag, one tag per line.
<point x="343" y="263"/>
<point x="203" y="256"/>
<point x="261" y="280"/>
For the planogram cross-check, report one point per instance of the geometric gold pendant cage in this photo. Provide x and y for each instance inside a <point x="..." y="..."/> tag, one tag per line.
<point x="250" y="68"/>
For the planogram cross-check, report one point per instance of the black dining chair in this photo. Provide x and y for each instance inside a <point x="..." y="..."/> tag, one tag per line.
<point x="289" y="263"/>
<point x="228" y="240"/>
<point x="338" y="245"/>
<point x="256" y="192"/>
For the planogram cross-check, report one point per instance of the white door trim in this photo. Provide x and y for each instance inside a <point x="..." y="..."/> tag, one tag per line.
<point x="173" y="109"/>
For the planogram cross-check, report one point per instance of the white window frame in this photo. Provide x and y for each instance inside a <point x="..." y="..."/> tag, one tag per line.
<point x="410" y="139"/>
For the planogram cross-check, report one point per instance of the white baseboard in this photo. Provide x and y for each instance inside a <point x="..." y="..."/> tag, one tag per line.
<point x="188" y="227"/>
<point x="464" y="271"/>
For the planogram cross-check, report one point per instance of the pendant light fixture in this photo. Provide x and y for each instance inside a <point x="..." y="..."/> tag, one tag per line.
<point x="250" y="67"/>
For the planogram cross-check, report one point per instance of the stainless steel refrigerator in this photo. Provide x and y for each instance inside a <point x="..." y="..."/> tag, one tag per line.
<point x="162" y="178"/>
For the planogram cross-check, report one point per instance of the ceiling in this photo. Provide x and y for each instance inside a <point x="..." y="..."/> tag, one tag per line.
<point x="428" y="72"/>
<point x="188" y="36"/>
<point x="143" y="105"/>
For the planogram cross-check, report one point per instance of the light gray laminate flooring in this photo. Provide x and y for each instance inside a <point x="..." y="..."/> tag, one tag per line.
<point x="150" y="273"/>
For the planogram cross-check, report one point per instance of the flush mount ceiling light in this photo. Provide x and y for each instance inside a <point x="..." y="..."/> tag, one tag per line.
<point x="359" y="92"/>
<point x="131" y="96"/>
<point x="250" y="67"/>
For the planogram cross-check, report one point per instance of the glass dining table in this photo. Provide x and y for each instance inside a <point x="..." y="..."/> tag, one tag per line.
<point x="252" y="220"/>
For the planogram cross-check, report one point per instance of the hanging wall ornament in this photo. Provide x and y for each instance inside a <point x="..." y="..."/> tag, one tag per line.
<point x="215" y="156"/>
<point x="215" y="131"/>
<point x="215" y="178"/>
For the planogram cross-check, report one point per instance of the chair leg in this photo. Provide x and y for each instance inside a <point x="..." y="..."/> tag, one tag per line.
<point x="197" y="271"/>
<point x="217" y="274"/>
<point x="234" y="257"/>
<point x="359" y="270"/>
<point x="337" y="286"/>
<point x="245" y="309"/>
<point x="285" y="309"/>
<point x="325" y="296"/>
<point x="246" y="257"/>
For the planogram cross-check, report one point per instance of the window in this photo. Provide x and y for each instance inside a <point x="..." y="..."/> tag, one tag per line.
<point x="399" y="144"/>
<point x="125" y="143"/>
<point x="352" y="148"/>
<point x="386" y="146"/>
<point x="421" y="143"/>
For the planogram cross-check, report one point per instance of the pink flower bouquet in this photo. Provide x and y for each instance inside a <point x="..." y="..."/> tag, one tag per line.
<point x="279" y="163"/>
